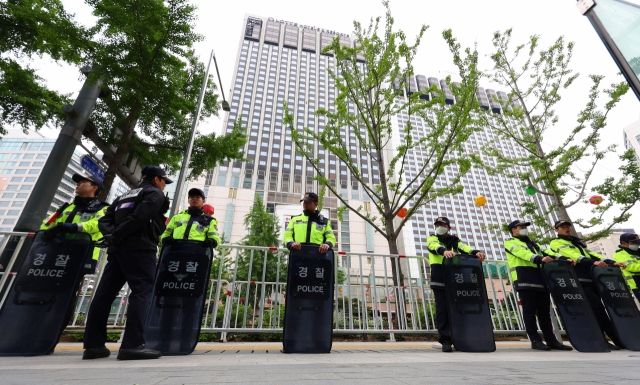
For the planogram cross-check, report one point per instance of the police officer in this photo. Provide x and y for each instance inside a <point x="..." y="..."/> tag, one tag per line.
<point x="442" y="245"/>
<point x="629" y="254"/>
<point x="310" y="227"/>
<point x="132" y="226"/>
<point x="193" y="223"/>
<point x="523" y="258"/>
<point x="574" y="248"/>
<point x="80" y="216"/>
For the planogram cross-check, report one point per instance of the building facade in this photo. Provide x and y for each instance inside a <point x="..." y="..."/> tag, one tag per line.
<point x="22" y="157"/>
<point x="631" y="135"/>
<point x="282" y="61"/>
<point x="607" y="246"/>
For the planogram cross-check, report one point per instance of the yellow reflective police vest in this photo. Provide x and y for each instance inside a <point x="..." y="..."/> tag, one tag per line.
<point x="631" y="273"/>
<point x="87" y="221"/>
<point x="316" y="231"/>
<point x="437" y="245"/>
<point x="437" y="248"/>
<point x="580" y="253"/>
<point x="523" y="264"/>
<point x="197" y="227"/>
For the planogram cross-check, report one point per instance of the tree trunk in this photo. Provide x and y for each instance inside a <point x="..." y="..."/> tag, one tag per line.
<point x="114" y="165"/>
<point x="398" y="277"/>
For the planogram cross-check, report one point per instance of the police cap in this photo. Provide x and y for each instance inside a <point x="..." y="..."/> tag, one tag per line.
<point x="150" y="172"/>
<point x="310" y="197"/>
<point x="93" y="179"/>
<point x="444" y="220"/>
<point x="517" y="223"/>
<point x="196" y="192"/>
<point x="628" y="237"/>
<point x="560" y="223"/>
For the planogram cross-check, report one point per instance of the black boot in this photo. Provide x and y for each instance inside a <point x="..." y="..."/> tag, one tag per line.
<point x="613" y="347"/>
<point x="139" y="353"/>
<point x="556" y="345"/>
<point x="93" y="353"/>
<point x="446" y="347"/>
<point x="539" y="345"/>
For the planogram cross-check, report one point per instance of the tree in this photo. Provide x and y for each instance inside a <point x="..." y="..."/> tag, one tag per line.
<point x="264" y="230"/>
<point x="368" y="90"/>
<point x="142" y="52"/>
<point x="31" y="28"/>
<point x="535" y="88"/>
<point x="144" y="55"/>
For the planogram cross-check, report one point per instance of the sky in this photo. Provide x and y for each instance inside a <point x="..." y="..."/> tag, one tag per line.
<point x="472" y="22"/>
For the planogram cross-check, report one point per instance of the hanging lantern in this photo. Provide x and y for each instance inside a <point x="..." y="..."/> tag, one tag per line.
<point x="403" y="212"/>
<point x="530" y="190"/>
<point x="480" y="200"/>
<point x="340" y="290"/>
<point x="596" y="200"/>
<point x="208" y="209"/>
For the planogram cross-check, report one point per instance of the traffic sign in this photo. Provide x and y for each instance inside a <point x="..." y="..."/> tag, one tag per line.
<point x="91" y="167"/>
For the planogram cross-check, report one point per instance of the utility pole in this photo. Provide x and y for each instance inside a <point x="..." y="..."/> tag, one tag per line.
<point x="175" y="206"/>
<point x="47" y="184"/>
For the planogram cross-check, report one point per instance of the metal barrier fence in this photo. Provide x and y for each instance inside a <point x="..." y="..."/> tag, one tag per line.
<point x="247" y="288"/>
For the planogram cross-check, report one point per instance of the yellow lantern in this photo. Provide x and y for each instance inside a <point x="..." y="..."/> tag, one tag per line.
<point x="480" y="200"/>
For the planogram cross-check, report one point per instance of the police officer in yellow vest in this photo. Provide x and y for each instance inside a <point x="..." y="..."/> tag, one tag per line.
<point x="193" y="223"/>
<point x="629" y="254"/>
<point x="310" y="227"/>
<point x="444" y="245"/>
<point x="574" y="248"/>
<point x="80" y="216"/>
<point x="523" y="258"/>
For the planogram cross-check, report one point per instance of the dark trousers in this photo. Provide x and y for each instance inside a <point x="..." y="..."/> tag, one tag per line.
<point x="137" y="268"/>
<point x="442" y="315"/>
<point x="601" y="314"/>
<point x="537" y="304"/>
<point x="636" y="292"/>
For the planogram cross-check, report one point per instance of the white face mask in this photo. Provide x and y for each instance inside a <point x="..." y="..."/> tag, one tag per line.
<point x="634" y="247"/>
<point x="441" y="230"/>
<point x="523" y="232"/>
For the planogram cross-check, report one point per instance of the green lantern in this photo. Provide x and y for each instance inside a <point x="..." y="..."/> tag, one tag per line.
<point x="530" y="190"/>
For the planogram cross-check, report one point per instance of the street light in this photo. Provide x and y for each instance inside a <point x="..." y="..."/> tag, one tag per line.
<point x="225" y="104"/>
<point x="187" y="156"/>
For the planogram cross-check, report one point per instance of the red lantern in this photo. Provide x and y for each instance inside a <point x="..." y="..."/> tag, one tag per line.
<point x="403" y="212"/>
<point x="208" y="209"/>
<point x="596" y="200"/>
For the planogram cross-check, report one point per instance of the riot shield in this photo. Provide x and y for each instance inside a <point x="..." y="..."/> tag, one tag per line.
<point x="576" y="313"/>
<point x="469" y="315"/>
<point x="175" y="312"/>
<point x="309" y="301"/>
<point x="621" y="307"/>
<point x="37" y="305"/>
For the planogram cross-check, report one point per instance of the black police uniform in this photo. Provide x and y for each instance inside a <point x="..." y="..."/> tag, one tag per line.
<point x="133" y="225"/>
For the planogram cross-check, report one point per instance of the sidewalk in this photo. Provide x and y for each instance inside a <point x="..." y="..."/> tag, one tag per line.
<point x="273" y="346"/>
<point x="349" y="363"/>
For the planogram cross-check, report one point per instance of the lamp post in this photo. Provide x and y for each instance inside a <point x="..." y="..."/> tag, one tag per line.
<point x="187" y="156"/>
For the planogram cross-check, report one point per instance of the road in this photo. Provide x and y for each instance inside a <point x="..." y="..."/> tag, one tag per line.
<point x="349" y="363"/>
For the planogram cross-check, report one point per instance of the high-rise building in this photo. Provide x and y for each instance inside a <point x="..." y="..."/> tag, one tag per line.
<point x="282" y="61"/>
<point x="631" y="135"/>
<point x="22" y="157"/>
<point x="607" y="246"/>
<point x="504" y="195"/>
